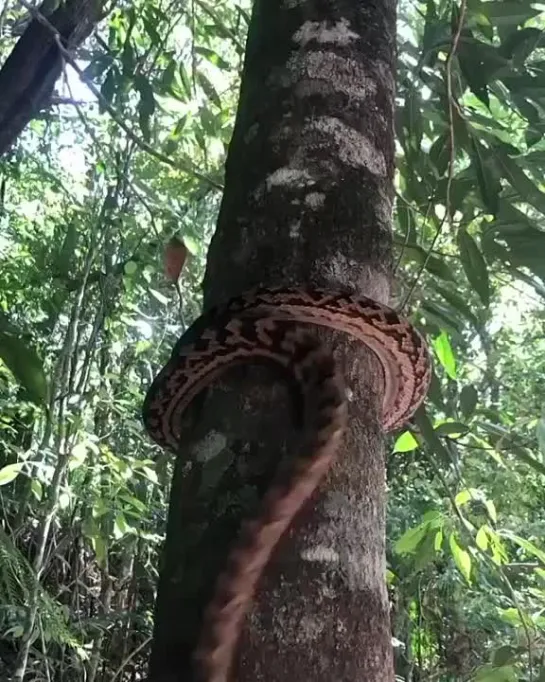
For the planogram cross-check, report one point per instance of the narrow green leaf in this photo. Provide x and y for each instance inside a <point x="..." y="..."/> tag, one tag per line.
<point x="489" y="185"/>
<point x="520" y="182"/>
<point x="430" y="436"/>
<point x="439" y="153"/>
<point x="209" y="89"/>
<point x="461" y="558"/>
<point x="525" y="544"/>
<point x="213" y="57"/>
<point x="474" y="265"/>
<point x="444" y="353"/>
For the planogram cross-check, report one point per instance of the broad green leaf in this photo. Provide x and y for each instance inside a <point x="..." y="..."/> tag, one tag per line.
<point x="452" y="428"/>
<point x="490" y="673"/>
<point x="481" y="539"/>
<point x="461" y="558"/>
<point x="25" y="365"/>
<point x="130" y="267"/>
<point x="445" y="355"/>
<point x="468" y="400"/>
<point x="406" y="442"/>
<point x="474" y="265"/>
<point x="438" y="542"/>
<point x="508" y="12"/>
<point x="10" y="472"/>
<point x="503" y="656"/>
<point x="409" y="541"/>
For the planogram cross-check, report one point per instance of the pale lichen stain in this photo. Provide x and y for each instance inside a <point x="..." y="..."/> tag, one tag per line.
<point x="333" y="72"/>
<point x="338" y="34"/>
<point x="210" y="446"/>
<point x="295" y="229"/>
<point x="315" y="200"/>
<point x="354" y="148"/>
<point x="320" y="553"/>
<point x="289" y="177"/>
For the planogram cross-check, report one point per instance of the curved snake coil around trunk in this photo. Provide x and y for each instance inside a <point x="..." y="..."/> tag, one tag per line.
<point x="272" y="324"/>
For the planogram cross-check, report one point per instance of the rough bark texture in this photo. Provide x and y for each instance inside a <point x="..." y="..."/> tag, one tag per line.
<point x="28" y="76"/>
<point x="308" y="199"/>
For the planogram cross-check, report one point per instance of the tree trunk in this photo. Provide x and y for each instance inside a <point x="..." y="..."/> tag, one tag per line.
<point x="29" y="74"/>
<point x="308" y="199"/>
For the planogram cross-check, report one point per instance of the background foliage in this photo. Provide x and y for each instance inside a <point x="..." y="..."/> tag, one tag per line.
<point x="93" y="190"/>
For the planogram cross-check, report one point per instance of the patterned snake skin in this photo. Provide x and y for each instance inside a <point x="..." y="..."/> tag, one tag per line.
<point x="272" y="324"/>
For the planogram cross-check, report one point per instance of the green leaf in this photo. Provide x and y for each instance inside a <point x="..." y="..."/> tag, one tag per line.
<point x="434" y="264"/>
<point x="481" y="539"/>
<point x="490" y="673"/>
<point x="432" y="439"/>
<point x="209" y="89"/>
<point x="461" y="558"/>
<point x="409" y="541"/>
<point x="468" y="400"/>
<point x="10" y="472"/>
<point x="213" y="57"/>
<point x="406" y="442"/>
<point x="458" y="303"/>
<point x="25" y="365"/>
<point x="109" y="87"/>
<point x="520" y="182"/>
<point x="525" y="544"/>
<point x="146" y="106"/>
<point x="444" y="353"/>
<point x="130" y="267"/>
<point x="508" y="12"/>
<point x="440" y="154"/>
<point x="489" y="185"/>
<point x="540" y="434"/>
<point x="474" y="265"/>
<point x="451" y="428"/>
<point x="159" y="296"/>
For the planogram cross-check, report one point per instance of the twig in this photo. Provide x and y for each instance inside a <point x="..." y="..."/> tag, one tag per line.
<point x="447" y="218"/>
<point x="110" y="109"/>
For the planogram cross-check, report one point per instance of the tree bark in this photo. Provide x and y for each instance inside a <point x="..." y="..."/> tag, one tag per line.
<point x="29" y="74"/>
<point x="308" y="199"/>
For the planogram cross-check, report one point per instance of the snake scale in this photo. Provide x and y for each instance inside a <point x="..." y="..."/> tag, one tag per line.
<point x="272" y="324"/>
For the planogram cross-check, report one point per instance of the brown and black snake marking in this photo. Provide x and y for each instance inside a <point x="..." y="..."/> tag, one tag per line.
<point x="270" y="324"/>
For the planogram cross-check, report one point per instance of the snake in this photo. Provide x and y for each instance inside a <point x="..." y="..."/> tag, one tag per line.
<point x="274" y="325"/>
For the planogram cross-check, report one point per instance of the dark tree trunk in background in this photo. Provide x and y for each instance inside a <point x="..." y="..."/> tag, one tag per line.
<point x="308" y="199"/>
<point x="28" y="76"/>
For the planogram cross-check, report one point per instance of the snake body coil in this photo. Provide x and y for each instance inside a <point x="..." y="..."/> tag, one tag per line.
<point x="270" y="324"/>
